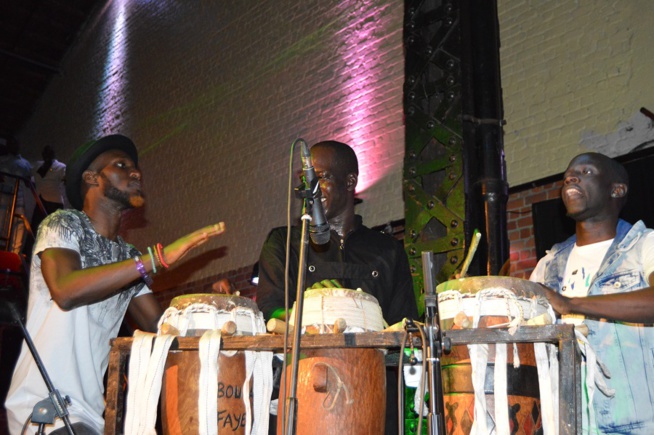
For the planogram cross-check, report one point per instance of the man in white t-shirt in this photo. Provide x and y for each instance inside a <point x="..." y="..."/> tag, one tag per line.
<point x="603" y="276"/>
<point x="83" y="279"/>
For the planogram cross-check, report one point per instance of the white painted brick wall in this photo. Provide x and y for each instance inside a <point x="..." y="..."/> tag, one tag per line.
<point x="214" y="93"/>
<point x="574" y="76"/>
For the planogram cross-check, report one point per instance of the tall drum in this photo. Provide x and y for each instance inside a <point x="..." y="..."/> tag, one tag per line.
<point x="192" y="315"/>
<point x="470" y="373"/>
<point x="339" y="391"/>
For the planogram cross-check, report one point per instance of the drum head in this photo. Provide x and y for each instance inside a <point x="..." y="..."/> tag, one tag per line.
<point x="474" y="284"/>
<point x="219" y="301"/>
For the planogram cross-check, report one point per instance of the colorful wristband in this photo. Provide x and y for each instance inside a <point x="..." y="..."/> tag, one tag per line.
<point x="139" y="266"/>
<point x="160" y="251"/>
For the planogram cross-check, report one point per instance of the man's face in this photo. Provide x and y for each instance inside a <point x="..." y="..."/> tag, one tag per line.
<point x="333" y="182"/>
<point x="119" y="178"/>
<point x="587" y="189"/>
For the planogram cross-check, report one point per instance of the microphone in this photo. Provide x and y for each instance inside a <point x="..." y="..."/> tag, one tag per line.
<point x="319" y="228"/>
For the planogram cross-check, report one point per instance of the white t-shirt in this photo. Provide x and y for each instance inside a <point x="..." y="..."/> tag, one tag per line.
<point x="50" y="187"/>
<point x="73" y="345"/>
<point x="583" y="264"/>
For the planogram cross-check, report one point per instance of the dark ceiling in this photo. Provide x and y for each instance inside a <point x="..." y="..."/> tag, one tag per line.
<point x="34" y="38"/>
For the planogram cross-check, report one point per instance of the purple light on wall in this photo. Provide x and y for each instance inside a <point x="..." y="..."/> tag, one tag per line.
<point x="111" y="96"/>
<point x="363" y="57"/>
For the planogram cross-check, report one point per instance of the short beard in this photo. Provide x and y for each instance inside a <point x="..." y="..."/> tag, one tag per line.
<point x="125" y="199"/>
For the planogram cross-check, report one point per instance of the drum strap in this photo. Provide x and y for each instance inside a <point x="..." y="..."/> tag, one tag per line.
<point x="209" y="348"/>
<point x="548" y="385"/>
<point x="501" y="398"/>
<point x="258" y="370"/>
<point x="478" y="361"/>
<point x="258" y="364"/>
<point x="145" y="372"/>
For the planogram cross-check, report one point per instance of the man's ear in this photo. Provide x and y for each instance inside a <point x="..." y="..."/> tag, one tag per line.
<point x="90" y="177"/>
<point x="619" y="190"/>
<point x="351" y="181"/>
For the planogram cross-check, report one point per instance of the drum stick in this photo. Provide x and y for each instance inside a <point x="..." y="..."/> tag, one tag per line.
<point x="339" y="325"/>
<point x="228" y="328"/>
<point x="476" y="236"/>
<point x="168" y="329"/>
<point x="276" y="326"/>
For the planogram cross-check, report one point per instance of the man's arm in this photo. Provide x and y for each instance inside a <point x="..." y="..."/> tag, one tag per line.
<point x="272" y="264"/>
<point x="71" y="286"/>
<point x="146" y="311"/>
<point x="636" y="306"/>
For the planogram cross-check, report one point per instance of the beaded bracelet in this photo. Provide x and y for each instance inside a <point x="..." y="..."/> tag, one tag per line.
<point x="139" y="266"/>
<point x="161" y="255"/>
<point x="156" y="255"/>
<point x="154" y="264"/>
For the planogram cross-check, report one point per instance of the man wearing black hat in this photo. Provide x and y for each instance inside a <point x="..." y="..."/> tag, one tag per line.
<point x="83" y="279"/>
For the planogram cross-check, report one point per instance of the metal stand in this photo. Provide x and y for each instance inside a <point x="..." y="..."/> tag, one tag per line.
<point x="48" y="409"/>
<point x="434" y="349"/>
<point x="290" y="413"/>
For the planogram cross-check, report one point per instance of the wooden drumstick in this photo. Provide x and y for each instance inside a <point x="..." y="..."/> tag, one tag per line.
<point x="339" y="325"/>
<point x="168" y="329"/>
<point x="228" y="328"/>
<point x="276" y="326"/>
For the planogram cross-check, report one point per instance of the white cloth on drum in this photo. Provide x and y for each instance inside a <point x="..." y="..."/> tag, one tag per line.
<point x="548" y="386"/>
<point x="478" y="360"/>
<point x="258" y="365"/>
<point x="257" y="369"/>
<point x="145" y="372"/>
<point x="209" y="350"/>
<point x="500" y="392"/>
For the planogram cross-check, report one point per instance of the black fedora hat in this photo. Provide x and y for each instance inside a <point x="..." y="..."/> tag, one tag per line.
<point x="84" y="155"/>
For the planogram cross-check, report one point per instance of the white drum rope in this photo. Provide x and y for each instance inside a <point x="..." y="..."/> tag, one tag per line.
<point x="209" y="350"/>
<point x="145" y="374"/>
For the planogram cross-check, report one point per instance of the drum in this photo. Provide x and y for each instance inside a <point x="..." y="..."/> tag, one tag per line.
<point x="491" y="302"/>
<point x="339" y="391"/>
<point x="192" y="315"/>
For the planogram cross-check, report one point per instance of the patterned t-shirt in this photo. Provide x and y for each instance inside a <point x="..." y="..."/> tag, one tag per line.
<point x="74" y="345"/>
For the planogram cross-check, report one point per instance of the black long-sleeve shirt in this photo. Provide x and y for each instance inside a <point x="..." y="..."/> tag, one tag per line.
<point x="366" y="259"/>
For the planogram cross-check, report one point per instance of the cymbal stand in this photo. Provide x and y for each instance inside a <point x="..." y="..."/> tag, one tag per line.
<point x="433" y="349"/>
<point x="54" y="405"/>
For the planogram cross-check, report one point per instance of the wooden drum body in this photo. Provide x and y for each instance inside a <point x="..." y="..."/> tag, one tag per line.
<point x="192" y="315"/>
<point x="339" y="391"/>
<point x="490" y="308"/>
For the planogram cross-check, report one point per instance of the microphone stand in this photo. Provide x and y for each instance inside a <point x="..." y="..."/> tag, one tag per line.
<point x="54" y="405"/>
<point x="434" y="348"/>
<point x="290" y="417"/>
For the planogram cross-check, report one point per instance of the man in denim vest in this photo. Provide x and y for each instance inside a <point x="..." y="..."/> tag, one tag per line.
<point x="602" y="277"/>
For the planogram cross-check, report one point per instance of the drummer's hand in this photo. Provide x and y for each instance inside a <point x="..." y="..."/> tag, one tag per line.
<point x="327" y="283"/>
<point x="180" y="247"/>
<point x="558" y="301"/>
<point x="223" y="286"/>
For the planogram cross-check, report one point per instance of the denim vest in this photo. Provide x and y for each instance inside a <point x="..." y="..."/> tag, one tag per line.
<point x="625" y="348"/>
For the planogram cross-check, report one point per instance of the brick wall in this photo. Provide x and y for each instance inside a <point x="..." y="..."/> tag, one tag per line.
<point x="520" y="226"/>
